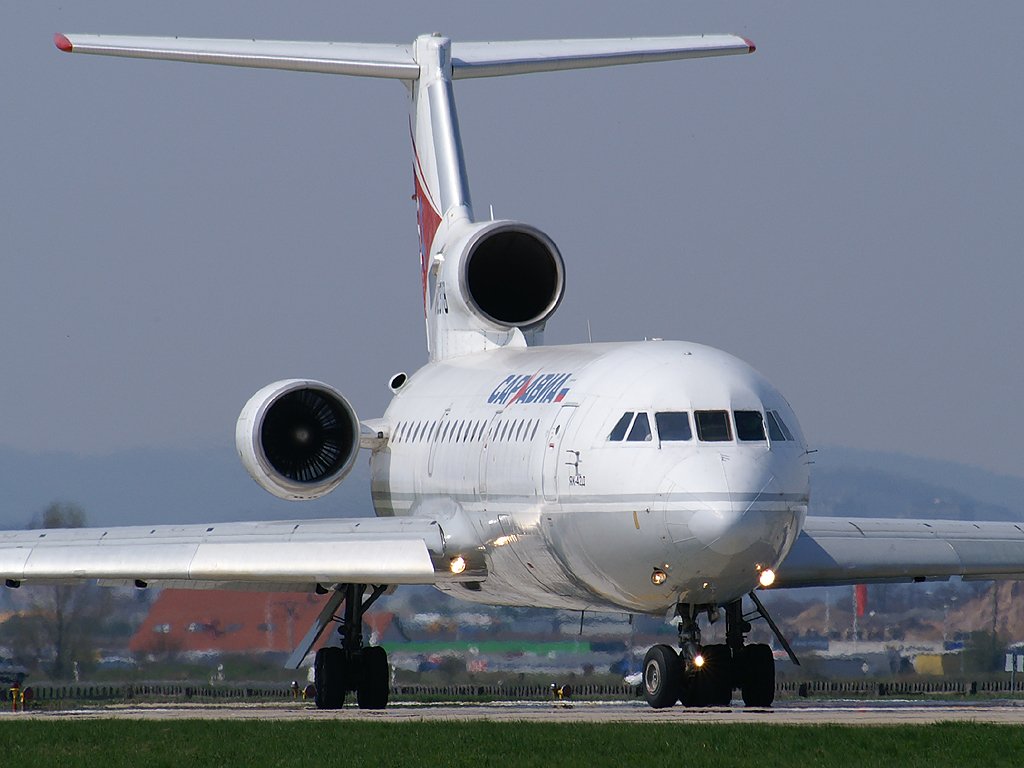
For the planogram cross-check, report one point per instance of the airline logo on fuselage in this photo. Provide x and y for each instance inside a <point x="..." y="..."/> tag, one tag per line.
<point x="531" y="388"/>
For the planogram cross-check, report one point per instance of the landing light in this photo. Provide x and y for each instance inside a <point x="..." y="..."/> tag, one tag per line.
<point x="458" y="565"/>
<point x="658" y="577"/>
<point x="767" y="577"/>
<point x="698" y="661"/>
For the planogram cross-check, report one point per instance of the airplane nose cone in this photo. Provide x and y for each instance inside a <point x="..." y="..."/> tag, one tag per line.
<point x="737" y="513"/>
<point x="743" y="514"/>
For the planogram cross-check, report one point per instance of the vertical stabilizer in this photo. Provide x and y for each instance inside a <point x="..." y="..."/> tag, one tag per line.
<point x="439" y="169"/>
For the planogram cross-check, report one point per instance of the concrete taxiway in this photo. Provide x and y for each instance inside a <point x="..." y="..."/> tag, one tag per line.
<point x="881" y="712"/>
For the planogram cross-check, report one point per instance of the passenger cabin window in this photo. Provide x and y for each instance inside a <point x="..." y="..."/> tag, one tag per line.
<point x="619" y="430"/>
<point x="712" y="426"/>
<point x="673" y="425"/>
<point x="749" y="426"/>
<point x="641" y="431"/>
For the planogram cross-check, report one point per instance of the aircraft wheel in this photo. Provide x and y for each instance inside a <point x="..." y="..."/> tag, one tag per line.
<point x="329" y="671"/>
<point x="662" y="676"/>
<point x="718" y="662"/>
<point x="711" y="684"/>
<point x="757" y="675"/>
<point x="375" y="683"/>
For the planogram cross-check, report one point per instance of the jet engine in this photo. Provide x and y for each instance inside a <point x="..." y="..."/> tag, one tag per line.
<point x="510" y="274"/>
<point x="298" y="438"/>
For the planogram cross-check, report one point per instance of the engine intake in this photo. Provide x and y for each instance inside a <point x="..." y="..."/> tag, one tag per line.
<point x="513" y="274"/>
<point x="298" y="438"/>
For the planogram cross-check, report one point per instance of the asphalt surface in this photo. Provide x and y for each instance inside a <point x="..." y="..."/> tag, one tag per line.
<point x="880" y="712"/>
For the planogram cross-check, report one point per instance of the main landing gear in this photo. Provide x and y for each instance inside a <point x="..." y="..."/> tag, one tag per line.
<point x="352" y="667"/>
<point x="705" y="676"/>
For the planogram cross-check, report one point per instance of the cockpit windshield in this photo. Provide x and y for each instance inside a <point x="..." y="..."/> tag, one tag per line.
<point x="749" y="426"/>
<point x="673" y="425"/>
<point x="713" y="426"/>
<point x="641" y="431"/>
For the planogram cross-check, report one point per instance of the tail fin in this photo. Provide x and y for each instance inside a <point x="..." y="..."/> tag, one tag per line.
<point x="428" y="66"/>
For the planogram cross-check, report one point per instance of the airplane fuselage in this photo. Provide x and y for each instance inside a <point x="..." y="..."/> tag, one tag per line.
<point x="579" y="472"/>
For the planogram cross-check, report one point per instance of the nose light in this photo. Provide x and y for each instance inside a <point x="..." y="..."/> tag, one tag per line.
<point x="458" y="565"/>
<point x="658" y="577"/>
<point x="767" y="577"/>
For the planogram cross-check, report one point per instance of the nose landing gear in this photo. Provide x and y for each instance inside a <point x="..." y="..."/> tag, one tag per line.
<point x="705" y="676"/>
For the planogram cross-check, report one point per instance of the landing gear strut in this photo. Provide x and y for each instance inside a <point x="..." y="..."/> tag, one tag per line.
<point x="337" y="671"/>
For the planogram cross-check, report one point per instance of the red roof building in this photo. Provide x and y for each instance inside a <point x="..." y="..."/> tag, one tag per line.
<point x="212" y="621"/>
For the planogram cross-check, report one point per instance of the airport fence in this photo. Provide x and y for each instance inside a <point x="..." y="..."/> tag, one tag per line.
<point x="882" y="688"/>
<point x="173" y="691"/>
<point x="55" y="693"/>
<point x="184" y="691"/>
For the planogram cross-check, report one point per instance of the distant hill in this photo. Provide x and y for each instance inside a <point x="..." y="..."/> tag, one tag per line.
<point x="209" y="485"/>
<point x="985" y="487"/>
<point x="159" y="486"/>
<point x="856" y="492"/>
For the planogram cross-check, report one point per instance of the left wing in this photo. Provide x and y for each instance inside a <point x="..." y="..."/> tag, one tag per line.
<point x="282" y="555"/>
<point x="835" y="550"/>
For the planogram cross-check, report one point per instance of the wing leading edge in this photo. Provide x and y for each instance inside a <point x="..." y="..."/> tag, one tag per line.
<point x="834" y="550"/>
<point x="291" y="555"/>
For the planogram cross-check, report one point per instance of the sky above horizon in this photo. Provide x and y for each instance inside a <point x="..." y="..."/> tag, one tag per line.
<point x="842" y="209"/>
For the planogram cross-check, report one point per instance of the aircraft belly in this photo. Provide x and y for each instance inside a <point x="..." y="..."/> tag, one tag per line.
<point x="613" y="551"/>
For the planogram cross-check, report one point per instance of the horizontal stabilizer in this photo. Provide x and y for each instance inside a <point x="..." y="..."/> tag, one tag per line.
<point x="525" y="56"/>
<point x="366" y="59"/>
<point x="490" y="59"/>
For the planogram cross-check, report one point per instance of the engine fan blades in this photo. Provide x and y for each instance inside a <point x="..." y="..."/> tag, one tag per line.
<point x="306" y="436"/>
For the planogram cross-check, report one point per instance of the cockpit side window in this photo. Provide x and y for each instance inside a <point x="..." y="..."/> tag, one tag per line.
<point x="777" y="429"/>
<point x="749" y="426"/>
<point x="641" y="430"/>
<point x="619" y="430"/>
<point x="673" y="425"/>
<point x="713" y="426"/>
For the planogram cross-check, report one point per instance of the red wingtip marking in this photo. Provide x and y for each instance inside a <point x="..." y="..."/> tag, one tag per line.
<point x="62" y="43"/>
<point x="750" y="45"/>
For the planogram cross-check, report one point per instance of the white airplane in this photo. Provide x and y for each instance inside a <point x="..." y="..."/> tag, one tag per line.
<point x="657" y="477"/>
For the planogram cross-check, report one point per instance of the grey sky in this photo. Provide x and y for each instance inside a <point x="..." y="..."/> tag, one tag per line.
<point x="843" y="210"/>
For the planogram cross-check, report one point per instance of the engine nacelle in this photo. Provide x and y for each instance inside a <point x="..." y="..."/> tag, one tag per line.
<point x="298" y="438"/>
<point x="510" y="274"/>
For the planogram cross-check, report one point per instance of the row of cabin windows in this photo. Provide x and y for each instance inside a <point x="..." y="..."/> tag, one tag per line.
<point x="464" y="431"/>
<point x="711" y="426"/>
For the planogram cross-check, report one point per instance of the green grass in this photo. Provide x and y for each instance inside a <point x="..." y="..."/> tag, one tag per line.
<point x="115" y="743"/>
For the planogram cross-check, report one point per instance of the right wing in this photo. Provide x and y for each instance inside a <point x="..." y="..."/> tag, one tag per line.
<point x="282" y="555"/>
<point x="836" y="550"/>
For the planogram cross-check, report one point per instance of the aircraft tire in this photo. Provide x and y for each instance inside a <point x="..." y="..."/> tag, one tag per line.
<point x="717" y="675"/>
<point x="375" y="684"/>
<point x="662" y="676"/>
<point x="329" y="669"/>
<point x="711" y="685"/>
<point x="757" y="671"/>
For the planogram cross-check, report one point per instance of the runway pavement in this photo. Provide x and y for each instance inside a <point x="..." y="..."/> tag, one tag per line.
<point x="880" y="712"/>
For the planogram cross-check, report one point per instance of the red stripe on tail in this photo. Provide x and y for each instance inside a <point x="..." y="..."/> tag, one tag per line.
<point x="427" y="222"/>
